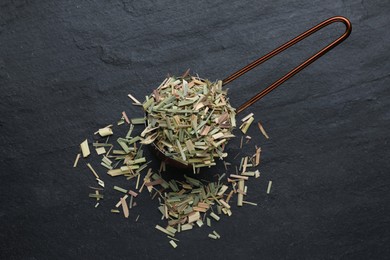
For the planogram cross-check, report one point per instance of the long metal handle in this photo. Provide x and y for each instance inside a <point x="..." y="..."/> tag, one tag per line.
<point x="297" y="69"/>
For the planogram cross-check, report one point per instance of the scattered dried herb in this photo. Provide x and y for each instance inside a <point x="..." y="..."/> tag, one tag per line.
<point x="85" y="148"/>
<point x="190" y="120"/>
<point x="269" y="187"/>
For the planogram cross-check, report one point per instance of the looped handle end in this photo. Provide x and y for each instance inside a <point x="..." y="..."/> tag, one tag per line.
<point x="297" y="69"/>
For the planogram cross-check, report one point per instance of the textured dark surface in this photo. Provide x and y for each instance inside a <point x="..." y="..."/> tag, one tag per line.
<point x="66" y="68"/>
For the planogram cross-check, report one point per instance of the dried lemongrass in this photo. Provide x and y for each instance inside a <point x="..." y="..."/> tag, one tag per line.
<point x="100" y="150"/>
<point x="269" y="187"/>
<point x="125" y="208"/>
<point x="76" y="160"/>
<point x="173" y="243"/>
<point x="85" y="148"/>
<point x="240" y="196"/>
<point x="105" y="131"/>
<point x="262" y="130"/>
<point x="213" y="236"/>
<point x="93" y="171"/>
<point x="190" y="120"/>
<point x="134" y="99"/>
<point x="245" y="126"/>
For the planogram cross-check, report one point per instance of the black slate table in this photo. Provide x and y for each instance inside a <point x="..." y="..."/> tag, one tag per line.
<point x="66" y="68"/>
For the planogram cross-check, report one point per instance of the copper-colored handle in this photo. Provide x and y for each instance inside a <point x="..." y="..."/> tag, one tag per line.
<point x="297" y="69"/>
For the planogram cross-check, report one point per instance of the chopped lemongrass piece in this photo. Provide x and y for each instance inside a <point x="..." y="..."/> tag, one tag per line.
<point x="257" y="156"/>
<point x="85" y="148"/>
<point x="216" y="234"/>
<point x="120" y="201"/>
<point x="222" y="190"/>
<point x="134" y="99"/>
<point x="93" y="171"/>
<point x="186" y="227"/>
<point x="115" y="172"/>
<point x="76" y="160"/>
<point x="245" y="126"/>
<point x="250" y="203"/>
<point x="133" y="193"/>
<point x="105" y="131"/>
<point x="199" y="222"/>
<point x="97" y="196"/>
<point x="208" y="222"/>
<point x="100" y="182"/>
<point x="262" y="130"/>
<point x="212" y="236"/>
<point x="125" y="208"/>
<point x="239" y="176"/>
<point x="100" y="150"/>
<point x="125" y="117"/>
<point x="240" y="196"/>
<point x="247" y="117"/>
<point x="114" y="211"/>
<point x="229" y="196"/>
<point x="173" y="244"/>
<point x="175" y="239"/>
<point x="120" y="189"/>
<point x="138" y="121"/>
<point x="269" y="187"/>
<point x="224" y="203"/>
<point x="138" y="177"/>
<point x="194" y="216"/>
<point x="214" y="216"/>
<point x="165" y="231"/>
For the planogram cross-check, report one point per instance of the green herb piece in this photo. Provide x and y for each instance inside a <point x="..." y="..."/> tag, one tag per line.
<point x="240" y="196"/>
<point x="199" y="222"/>
<point x="76" y="160"/>
<point x="125" y="208"/>
<point x="216" y="234"/>
<point x="250" y="203"/>
<point x="214" y="216"/>
<point x="93" y="195"/>
<point x="173" y="244"/>
<point x="100" y="150"/>
<point x="269" y="187"/>
<point x="186" y="227"/>
<point x="164" y="231"/>
<point x="245" y="126"/>
<point x="212" y="236"/>
<point x="93" y="171"/>
<point x="105" y="131"/>
<point x="100" y="182"/>
<point x="106" y="166"/>
<point x="85" y="148"/>
<point x="120" y="189"/>
<point x="262" y="130"/>
<point x="247" y="117"/>
<point x="138" y="121"/>
<point x="134" y="99"/>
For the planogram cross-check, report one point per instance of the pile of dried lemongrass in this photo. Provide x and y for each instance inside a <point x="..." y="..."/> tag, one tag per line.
<point x="190" y="120"/>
